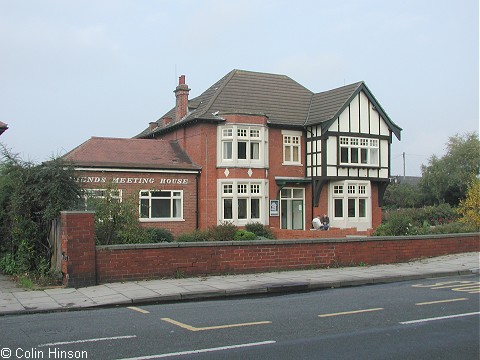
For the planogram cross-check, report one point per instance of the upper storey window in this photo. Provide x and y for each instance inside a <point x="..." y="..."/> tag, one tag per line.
<point x="242" y="145"/>
<point x="291" y="147"/>
<point x="358" y="151"/>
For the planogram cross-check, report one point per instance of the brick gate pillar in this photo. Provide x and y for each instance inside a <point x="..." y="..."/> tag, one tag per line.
<point x="78" y="248"/>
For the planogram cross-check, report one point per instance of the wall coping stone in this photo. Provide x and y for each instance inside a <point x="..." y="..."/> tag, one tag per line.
<point x="77" y="212"/>
<point x="280" y="242"/>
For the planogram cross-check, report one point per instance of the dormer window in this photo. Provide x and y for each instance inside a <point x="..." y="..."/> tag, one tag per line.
<point x="358" y="151"/>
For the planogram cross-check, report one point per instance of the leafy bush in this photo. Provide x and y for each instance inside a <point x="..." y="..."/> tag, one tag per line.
<point x="398" y="224"/>
<point x="223" y="232"/>
<point x="244" y="235"/>
<point x="452" y="228"/>
<point x="8" y="264"/>
<point x="469" y="208"/>
<point x="116" y="222"/>
<point x="197" y="235"/>
<point x="31" y="196"/>
<point x="156" y="235"/>
<point x="260" y="230"/>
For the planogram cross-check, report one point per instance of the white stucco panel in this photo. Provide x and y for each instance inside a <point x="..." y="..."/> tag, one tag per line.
<point x="332" y="150"/>
<point x="384" y="153"/>
<point x="354" y="115"/>
<point x="344" y="121"/>
<point x="364" y="111"/>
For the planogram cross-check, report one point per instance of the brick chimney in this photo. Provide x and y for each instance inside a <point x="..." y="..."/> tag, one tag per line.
<point x="181" y="93"/>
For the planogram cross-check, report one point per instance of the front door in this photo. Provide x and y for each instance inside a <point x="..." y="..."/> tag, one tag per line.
<point x="292" y="208"/>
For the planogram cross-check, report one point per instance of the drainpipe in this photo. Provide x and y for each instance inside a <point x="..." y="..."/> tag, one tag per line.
<point x="197" y="215"/>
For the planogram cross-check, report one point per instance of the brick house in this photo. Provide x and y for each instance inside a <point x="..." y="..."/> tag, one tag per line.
<point x="264" y="148"/>
<point x="157" y="174"/>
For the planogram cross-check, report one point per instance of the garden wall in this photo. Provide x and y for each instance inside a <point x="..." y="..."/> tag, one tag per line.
<point x="135" y="262"/>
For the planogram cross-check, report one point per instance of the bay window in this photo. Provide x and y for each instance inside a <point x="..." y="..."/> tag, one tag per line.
<point x="241" y="201"/>
<point x="242" y="145"/>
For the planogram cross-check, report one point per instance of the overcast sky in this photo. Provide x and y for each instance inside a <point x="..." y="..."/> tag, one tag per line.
<point x="70" y="70"/>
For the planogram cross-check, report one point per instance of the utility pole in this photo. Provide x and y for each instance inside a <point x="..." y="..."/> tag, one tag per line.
<point x="403" y="166"/>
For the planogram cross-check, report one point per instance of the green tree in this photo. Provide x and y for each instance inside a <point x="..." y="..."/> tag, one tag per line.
<point x="469" y="208"/>
<point x="446" y="179"/>
<point x="403" y="196"/>
<point x="116" y="222"/>
<point x="31" y="196"/>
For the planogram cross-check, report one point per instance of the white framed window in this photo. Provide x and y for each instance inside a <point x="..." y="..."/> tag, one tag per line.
<point x="162" y="205"/>
<point x="358" y="151"/>
<point x="292" y="147"/>
<point x="352" y="205"/>
<point x="242" y="145"/>
<point x="242" y="201"/>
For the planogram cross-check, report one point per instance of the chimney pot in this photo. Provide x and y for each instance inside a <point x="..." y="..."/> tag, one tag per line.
<point x="181" y="94"/>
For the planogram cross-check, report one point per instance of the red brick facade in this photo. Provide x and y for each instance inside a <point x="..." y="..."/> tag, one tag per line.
<point x="131" y="183"/>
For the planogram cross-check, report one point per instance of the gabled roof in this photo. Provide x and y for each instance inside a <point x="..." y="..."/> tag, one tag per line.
<point x="3" y="127"/>
<point x="284" y="101"/>
<point x="328" y="105"/>
<point x="130" y="153"/>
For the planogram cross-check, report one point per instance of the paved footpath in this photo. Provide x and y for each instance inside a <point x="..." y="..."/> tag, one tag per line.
<point x="15" y="300"/>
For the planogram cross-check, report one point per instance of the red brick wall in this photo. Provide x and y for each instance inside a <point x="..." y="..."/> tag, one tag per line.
<point x="78" y="248"/>
<point x="131" y="189"/>
<point x="121" y="263"/>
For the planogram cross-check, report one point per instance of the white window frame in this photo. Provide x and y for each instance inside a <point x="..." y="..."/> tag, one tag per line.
<point x="231" y="152"/>
<point x="358" y="151"/>
<point x="348" y="193"/>
<point x="148" y="195"/>
<point x="291" y="140"/>
<point x="236" y="191"/>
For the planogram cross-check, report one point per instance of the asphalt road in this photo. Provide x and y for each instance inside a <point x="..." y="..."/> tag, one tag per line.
<point x="425" y="319"/>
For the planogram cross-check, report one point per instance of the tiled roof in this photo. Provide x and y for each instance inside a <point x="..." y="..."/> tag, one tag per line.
<point x="327" y="104"/>
<point x="284" y="101"/>
<point x="130" y="153"/>
<point x="3" y="127"/>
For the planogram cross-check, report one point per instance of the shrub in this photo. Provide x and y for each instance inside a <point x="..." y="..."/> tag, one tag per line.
<point x="452" y="228"/>
<point x="195" y="236"/>
<point x="8" y="265"/>
<point x="260" y="230"/>
<point x="223" y="232"/>
<point x="244" y="235"/>
<point x="469" y="208"/>
<point x="156" y="235"/>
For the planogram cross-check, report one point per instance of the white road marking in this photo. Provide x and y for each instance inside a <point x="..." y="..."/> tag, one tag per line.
<point x="439" y="318"/>
<point x="200" y="351"/>
<point x="89" y="340"/>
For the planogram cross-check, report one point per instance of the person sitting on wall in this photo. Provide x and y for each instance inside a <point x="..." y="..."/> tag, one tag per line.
<point x="317" y="223"/>
<point x="325" y="222"/>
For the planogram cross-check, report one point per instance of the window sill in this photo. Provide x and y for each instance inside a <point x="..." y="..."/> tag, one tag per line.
<point x="144" y="220"/>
